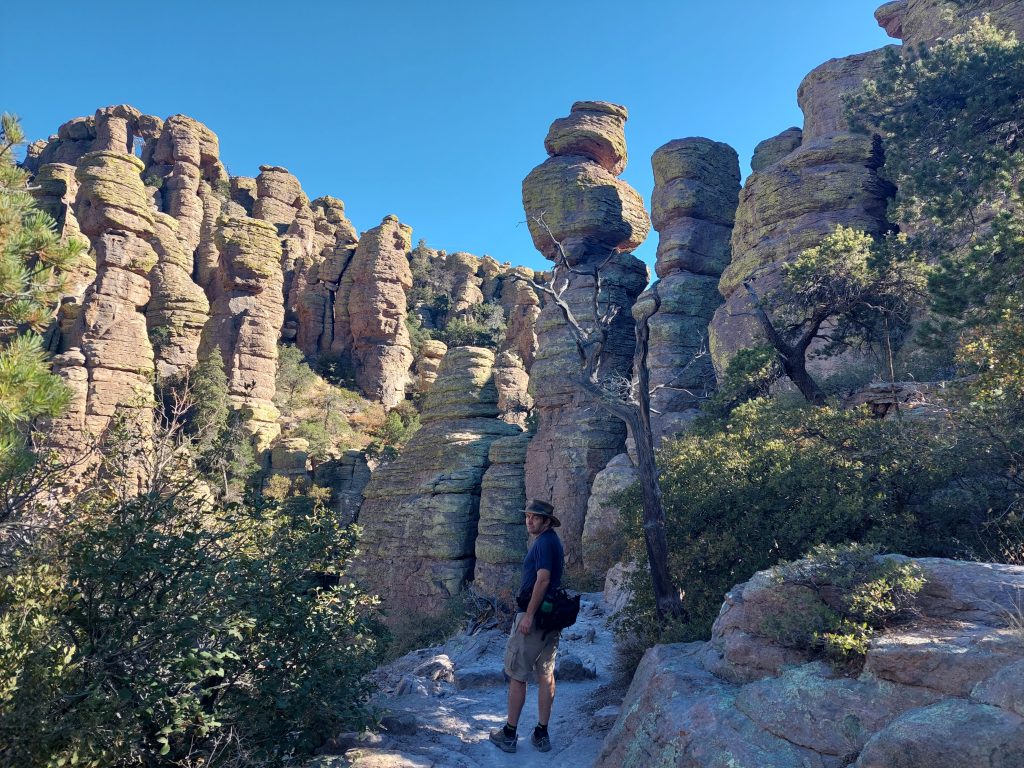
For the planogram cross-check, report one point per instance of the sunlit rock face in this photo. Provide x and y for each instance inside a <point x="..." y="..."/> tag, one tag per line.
<point x="582" y="217"/>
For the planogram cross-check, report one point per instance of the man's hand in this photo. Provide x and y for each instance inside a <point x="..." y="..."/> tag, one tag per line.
<point x="526" y="624"/>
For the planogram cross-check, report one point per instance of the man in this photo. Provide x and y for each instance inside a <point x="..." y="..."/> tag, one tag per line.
<point x="531" y="649"/>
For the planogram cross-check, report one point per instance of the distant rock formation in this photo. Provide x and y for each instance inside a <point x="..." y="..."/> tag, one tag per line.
<point x="790" y="204"/>
<point x="514" y="400"/>
<point x="247" y="315"/>
<point x="501" y="539"/>
<point x="696" y="190"/>
<point x="428" y="363"/>
<point x="421" y="510"/>
<point x="576" y="206"/>
<point x="521" y="305"/>
<point x="381" y="351"/>
<point x="943" y="691"/>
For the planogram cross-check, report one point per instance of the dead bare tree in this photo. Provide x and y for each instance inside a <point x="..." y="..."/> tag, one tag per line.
<point x="633" y="407"/>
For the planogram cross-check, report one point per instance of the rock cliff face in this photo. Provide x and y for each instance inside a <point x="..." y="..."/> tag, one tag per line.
<point x="381" y="351"/>
<point x="585" y="219"/>
<point x="421" y="510"/>
<point x="696" y="189"/>
<point x="792" y="201"/>
<point x="247" y="315"/>
<point x="107" y="359"/>
<point x="924" y="21"/>
<point x="944" y="691"/>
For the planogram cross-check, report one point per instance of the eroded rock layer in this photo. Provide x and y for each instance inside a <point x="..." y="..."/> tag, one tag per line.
<point x="420" y="511"/>
<point x="944" y="691"/>
<point x="584" y="218"/>
<point x="696" y="190"/>
<point x="789" y="205"/>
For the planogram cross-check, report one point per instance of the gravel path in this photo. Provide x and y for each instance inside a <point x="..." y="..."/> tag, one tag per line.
<point x="443" y="702"/>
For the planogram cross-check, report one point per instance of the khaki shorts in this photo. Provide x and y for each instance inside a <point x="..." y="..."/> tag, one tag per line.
<point x="534" y="652"/>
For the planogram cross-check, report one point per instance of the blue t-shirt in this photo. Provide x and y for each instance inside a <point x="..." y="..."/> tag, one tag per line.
<point x="546" y="552"/>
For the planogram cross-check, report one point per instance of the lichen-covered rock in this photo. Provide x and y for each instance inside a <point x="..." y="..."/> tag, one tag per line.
<point x="116" y="128"/>
<point x="244" y="192"/>
<point x="428" y="363"/>
<point x="420" y="511"/>
<point x="696" y="190"/>
<point x="594" y="129"/>
<point x="770" y="151"/>
<point x="820" y="95"/>
<point x="580" y="216"/>
<point x="466" y="291"/>
<point x="584" y="207"/>
<point x="919" y="22"/>
<point x="381" y="351"/>
<point x="602" y="532"/>
<point x="246" y="318"/>
<point x="178" y="309"/>
<point x="512" y="381"/>
<point x="279" y="196"/>
<point x="111" y="195"/>
<point x="950" y="698"/>
<point x="346" y="478"/>
<point x="501" y="539"/>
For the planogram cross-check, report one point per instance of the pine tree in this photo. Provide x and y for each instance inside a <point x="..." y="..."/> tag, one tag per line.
<point x="33" y="258"/>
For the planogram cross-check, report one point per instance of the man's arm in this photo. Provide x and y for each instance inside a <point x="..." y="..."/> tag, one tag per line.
<point x="540" y="589"/>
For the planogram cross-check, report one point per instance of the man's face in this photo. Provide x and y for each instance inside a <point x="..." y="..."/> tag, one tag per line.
<point x="536" y="524"/>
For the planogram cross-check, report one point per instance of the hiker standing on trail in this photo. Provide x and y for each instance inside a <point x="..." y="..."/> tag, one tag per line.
<point x="530" y="648"/>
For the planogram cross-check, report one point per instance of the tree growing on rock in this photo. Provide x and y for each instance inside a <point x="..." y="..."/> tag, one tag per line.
<point x="849" y="291"/>
<point x="628" y="401"/>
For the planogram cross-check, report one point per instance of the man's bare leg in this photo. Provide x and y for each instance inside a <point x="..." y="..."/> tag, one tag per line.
<point x="545" y="697"/>
<point x="516" y="699"/>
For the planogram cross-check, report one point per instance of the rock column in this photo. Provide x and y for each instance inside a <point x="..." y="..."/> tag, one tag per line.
<point x="696" y="189"/>
<point x="585" y="219"/>
<point x="420" y="511"/>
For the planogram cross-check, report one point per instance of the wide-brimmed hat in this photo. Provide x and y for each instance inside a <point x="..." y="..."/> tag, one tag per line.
<point x="542" y="508"/>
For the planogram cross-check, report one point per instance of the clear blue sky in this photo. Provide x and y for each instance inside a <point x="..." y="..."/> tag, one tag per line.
<point x="434" y="111"/>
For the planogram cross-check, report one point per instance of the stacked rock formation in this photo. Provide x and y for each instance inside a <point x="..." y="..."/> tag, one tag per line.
<point x="791" y="202"/>
<point x="247" y="315"/>
<point x="346" y="478"/>
<point x="582" y="217"/>
<point x="945" y="691"/>
<point x="501" y="539"/>
<point x="428" y="363"/>
<point x="420" y="511"/>
<point x="466" y="291"/>
<point x="696" y="190"/>
<point x="107" y="359"/>
<point x="381" y="351"/>
<point x="514" y="400"/>
<point x="179" y="309"/>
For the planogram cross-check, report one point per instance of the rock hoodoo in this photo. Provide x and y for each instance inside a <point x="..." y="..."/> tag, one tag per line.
<point x="943" y="691"/>
<point x="577" y="207"/>
<point x="247" y="315"/>
<point x="696" y="189"/>
<point x="789" y="205"/>
<point x="421" y="510"/>
<point x="381" y="352"/>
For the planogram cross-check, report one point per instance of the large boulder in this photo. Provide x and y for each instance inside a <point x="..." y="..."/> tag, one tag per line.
<point x="941" y="692"/>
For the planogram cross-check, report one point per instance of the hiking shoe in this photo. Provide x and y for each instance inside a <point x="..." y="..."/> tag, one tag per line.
<point x="542" y="743"/>
<point x="503" y="742"/>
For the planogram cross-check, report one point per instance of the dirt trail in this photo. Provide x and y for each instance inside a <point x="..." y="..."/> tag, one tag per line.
<point x="445" y="700"/>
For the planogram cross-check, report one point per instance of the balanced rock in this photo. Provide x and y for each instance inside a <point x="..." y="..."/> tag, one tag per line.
<point x="770" y="151"/>
<point x="428" y="362"/>
<point x="420" y="511"/>
<point x="501" y="539"/>
<point x="279" y="196"/>
<point x="514" y="400"/>
<point x="466" y="291"/>
<point x="381" y="350"/>
<point x="696" y="190"/>
<point x="521" y="304"/>
<point x="584" y="219"/>
<point x="595" y="130"/>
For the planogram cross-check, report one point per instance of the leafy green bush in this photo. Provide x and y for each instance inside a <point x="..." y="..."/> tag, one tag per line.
<point x="162" y="631"/>
<point x="777" y="478"/>
<point x="485" y="327"/>
<point x="399" y="425"/>
<point x="845" y="595"/>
